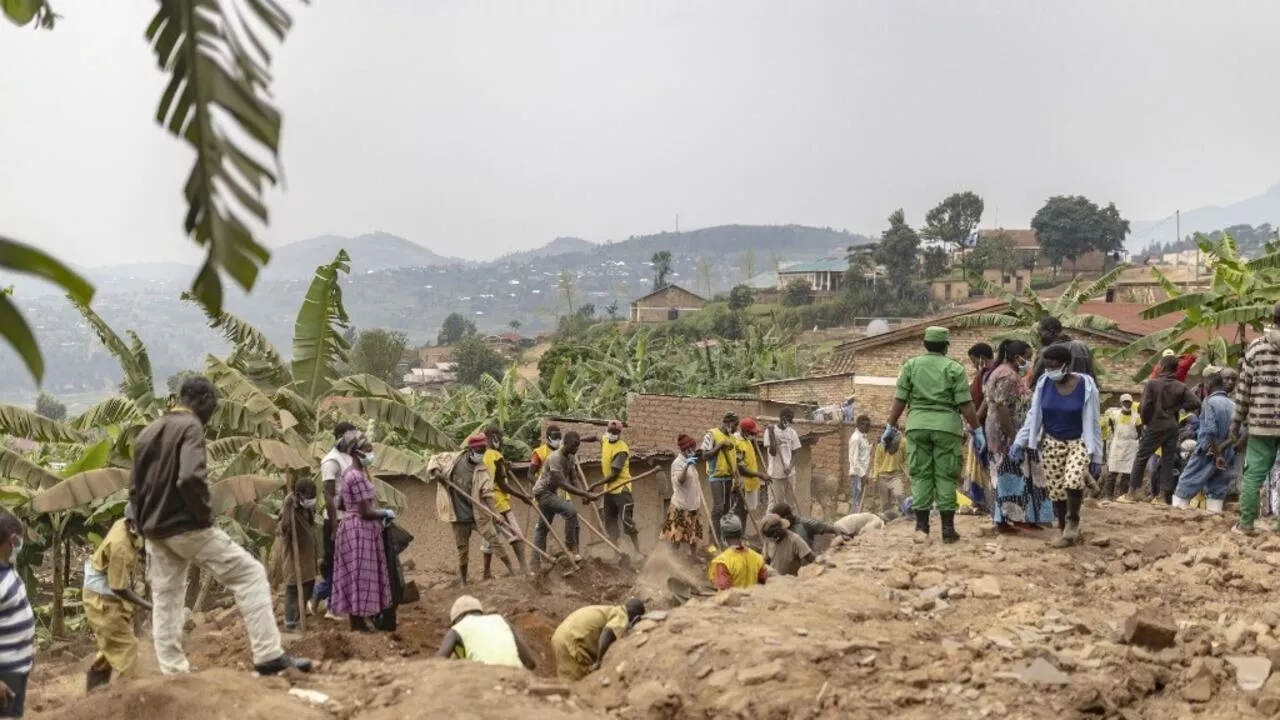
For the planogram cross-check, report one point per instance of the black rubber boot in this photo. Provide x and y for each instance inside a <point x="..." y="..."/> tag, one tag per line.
<point x="1060" y="513"/>
<point x="922" y="527"/>
<point x="1075" y="499"/>
<point x="949" y="534"/>
<point x="282" y="663"/>
<point x="96" y="678"/>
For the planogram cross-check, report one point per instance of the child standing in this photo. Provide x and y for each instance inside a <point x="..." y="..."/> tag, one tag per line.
<point x="17" y="622"/>
<point x="298" y="517"/>
<point x="110" y="598"/>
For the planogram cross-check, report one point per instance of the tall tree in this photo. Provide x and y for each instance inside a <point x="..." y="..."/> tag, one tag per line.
<point x="514" y="325"/>
<point x="994" y="252"/>
<point x="740" y="298"/>
<point x="454" y="328"/>
<point x="474" y="359"/>
<point x="564" y="283"/>
<point x="954" y="219"/>
<point x="661" y="268"/>
<point x="704" y="277"/>
<point x="174" y="381"/>
<point x="748" y="265"/>
<point x="797" y="292"/>
<point x="48" y="406"/>
<point x="378" y="353"/>
<point x="1069" y="226"/>
<point x="936" y="262"/>
<point x="898" y="251"/>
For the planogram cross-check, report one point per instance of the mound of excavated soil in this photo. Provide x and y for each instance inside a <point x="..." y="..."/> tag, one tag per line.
<point x="210" y="695"/>
<point x="995" y="626"/>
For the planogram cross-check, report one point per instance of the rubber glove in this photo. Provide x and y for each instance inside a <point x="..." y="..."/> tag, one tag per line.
<point x="1015" y="453"/>
<point x="388" y="514"/>
<point x="889" y="432"/>
<point x="979" y="440"/>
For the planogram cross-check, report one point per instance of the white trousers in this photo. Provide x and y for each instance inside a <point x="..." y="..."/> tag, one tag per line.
<point x="214" y="552"/>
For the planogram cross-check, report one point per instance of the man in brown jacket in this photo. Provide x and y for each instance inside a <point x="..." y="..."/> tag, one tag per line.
<point x="171" y="498"/>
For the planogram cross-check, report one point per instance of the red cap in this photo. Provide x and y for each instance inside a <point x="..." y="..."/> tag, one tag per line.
<point x="615" y="426"/>
<point x="685" y="443"/>
<point x="477" y="442"/>
<point x="747" y="425"/>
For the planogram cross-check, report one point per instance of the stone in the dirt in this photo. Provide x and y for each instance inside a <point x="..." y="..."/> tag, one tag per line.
<point x="924" y="604"/>
<point x="656" y="615"/>
<point x="1199" y="690"/>
<point x="1147" y="632"/>
<point x="928" y="579"/>
<point x="1270" y="545"/>
<point x="1100" y="541"/>
<point x="720" y="679"/>
<point x="644" y="626"/>
<point x="1115" y="567"/>
<point x="898" y="580"/>
<point x="1252" y="671"/>
<point x="1158" y="547"/>
<point x="226" y="617"/>
<point x="1131" y="562"/>
<point x="1268" y="705"/>
<point x="1210" y="556"/>
<point x="1238" y="635"/>
<point x="800" y="631"/>
<point x="728" y="598"/>
<point x="411" y="593"/>
<point x="986" y="587"/>
<point x="1042" y="672"/>
<point x="654" y="699"/>
<point x="548" y="690"/>
<point x="772" y="670"/>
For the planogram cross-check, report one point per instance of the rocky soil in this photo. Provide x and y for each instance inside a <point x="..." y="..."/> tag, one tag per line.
<point x="1159" y="614"/>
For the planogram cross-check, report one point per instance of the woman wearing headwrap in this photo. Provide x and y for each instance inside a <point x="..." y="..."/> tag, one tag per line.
<point x="1063" y="426"/>
<point x="683" y="524"/>
<point x="1018" y="501"/>
<point x="361" y="580"/>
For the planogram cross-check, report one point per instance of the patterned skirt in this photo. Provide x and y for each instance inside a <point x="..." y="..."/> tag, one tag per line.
<point x="682" y="527"/>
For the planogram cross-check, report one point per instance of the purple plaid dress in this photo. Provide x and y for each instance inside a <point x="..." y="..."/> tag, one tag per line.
<point x="361" y="586"/>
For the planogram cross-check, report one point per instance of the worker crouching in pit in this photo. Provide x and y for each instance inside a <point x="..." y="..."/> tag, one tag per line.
<point x="583" y="638"/>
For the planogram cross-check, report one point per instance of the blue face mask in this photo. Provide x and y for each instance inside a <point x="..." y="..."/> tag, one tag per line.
<point x="476" y="457"/>
<point x="366" y="459"/>
<point x="553" y="443"/>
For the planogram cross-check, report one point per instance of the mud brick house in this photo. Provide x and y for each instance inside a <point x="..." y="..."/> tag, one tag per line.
<point x="666" y="304"/>
<point x="868" y="367"/>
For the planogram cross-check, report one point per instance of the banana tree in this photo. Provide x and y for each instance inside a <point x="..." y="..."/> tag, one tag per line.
<point x="1242" y="295"/>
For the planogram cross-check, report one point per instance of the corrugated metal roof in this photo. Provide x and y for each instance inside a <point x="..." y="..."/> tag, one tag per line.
<point x="825" y="265"/>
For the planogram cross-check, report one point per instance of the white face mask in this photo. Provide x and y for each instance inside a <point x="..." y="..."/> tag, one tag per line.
<point x="1055" y="375"/>
<point x="308" y="503"/>
<point x="476" y="457"/>
<point x="554" y="443"/>
<point x="613" y="437"/>
<point x="17" y="547"/>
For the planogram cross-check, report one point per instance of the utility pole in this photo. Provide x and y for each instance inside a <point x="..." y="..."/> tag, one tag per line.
<point x="677" y="223"/>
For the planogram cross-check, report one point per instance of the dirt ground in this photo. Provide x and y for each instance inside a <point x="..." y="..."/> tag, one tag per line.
<point x="992" y="627"/>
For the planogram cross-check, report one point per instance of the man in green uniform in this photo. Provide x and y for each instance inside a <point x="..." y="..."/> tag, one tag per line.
<point x="937" y="391"/>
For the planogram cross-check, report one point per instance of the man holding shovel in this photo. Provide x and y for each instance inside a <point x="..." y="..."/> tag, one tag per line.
<point x="556" y="474"/>
<point x="464" y="490"/>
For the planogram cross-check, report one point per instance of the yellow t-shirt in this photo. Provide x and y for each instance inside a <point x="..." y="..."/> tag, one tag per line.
<point x="743" y="565"/>
<point x="607" y="451"/>
<point x="885" y="463"/>
<point x="748" y="460"/>
<point x="725" y="463"/>
<point x="581" y="630"/>
<point x="117" y="557"/>
<point x="501" y="501"/>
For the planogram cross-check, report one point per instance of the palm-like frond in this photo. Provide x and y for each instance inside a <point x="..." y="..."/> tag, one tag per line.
<point x="1244" y="315"/>
<point x="364" y="385"/>
<point x="138" y="384"/>
<point x="108" y="412"/>
<point x="215" y="102"/>
<point x="23" y="423"/>
<point x="21" y="258"/>
<point x="81" y="489"/>
<point x="1102" y="284"/>
<point x="229" y="492"/>
<point x="253" y="354"/>
<point x="1089" y="322"/>
<point x="401" y="418"/>
<point x="391" y="460"/>
<point x="16" y="467"/>
<point x="984" y="320"/>
<point x="318" y="345"/>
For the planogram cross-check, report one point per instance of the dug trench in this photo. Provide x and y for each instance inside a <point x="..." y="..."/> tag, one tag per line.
<point x="1158" y="614"/>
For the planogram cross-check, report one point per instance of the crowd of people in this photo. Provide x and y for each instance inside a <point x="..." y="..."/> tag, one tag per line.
<point x="1027" y="429"/>
<point x="1032" y="424"/>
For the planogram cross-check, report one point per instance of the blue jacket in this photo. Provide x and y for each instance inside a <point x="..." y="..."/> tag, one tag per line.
<point x="1215" y="419"/>
<point x="1033" y="427"/>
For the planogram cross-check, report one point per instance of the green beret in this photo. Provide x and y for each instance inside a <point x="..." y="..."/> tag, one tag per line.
<point x="937" y="334"/>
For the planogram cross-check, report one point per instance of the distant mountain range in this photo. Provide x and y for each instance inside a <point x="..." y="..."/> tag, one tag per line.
<point x="394" y="284"/>
<point x="1264" y="208"/>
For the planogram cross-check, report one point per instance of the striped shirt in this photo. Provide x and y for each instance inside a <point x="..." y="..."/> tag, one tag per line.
<point x="17" y="624"/>
<point x="1257" y="393"/>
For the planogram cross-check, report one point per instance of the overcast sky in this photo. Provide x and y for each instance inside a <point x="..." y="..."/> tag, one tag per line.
<point x="476" y="128"/>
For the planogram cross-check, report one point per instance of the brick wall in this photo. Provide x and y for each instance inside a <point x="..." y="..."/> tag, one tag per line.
<point x="815" y="391"/>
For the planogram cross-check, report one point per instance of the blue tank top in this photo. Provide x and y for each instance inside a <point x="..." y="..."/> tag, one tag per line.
<point x="1062" y="415"/>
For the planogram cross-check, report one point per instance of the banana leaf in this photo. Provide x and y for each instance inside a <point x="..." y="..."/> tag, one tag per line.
<point x="23" y="423"/>
<point x="230" y="492"/>
<point x="16" y="467"/>
<point x="81" y="489"/>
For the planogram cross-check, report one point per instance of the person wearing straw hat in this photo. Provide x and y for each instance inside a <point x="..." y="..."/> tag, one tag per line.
<point x="784" y="551"/>
<point x="936" y="389"/>
<point x="483" y="638"/>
